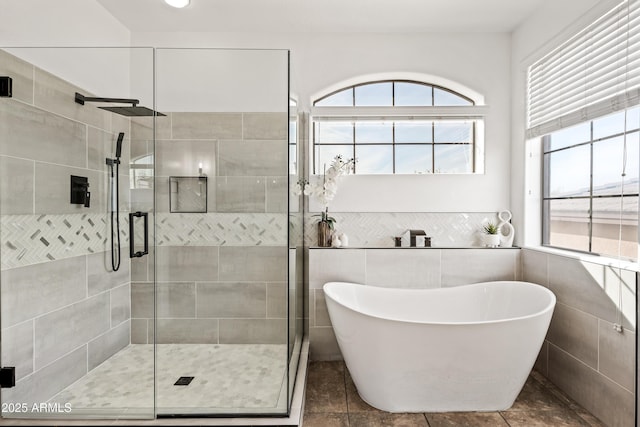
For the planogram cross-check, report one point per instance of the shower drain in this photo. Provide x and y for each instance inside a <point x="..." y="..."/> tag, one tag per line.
<point x="184" y="381"/>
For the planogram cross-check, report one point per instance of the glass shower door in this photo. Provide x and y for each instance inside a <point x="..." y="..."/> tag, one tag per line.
<point x="193" y="309"/>
<point x="66" y="191"/>
<point x="221" y="262"/>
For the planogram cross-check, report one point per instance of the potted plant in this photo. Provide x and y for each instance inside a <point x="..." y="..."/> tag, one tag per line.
<point x="326" y="226"/>
<point x="324" y="191"/>
<point x="490" y="236"/>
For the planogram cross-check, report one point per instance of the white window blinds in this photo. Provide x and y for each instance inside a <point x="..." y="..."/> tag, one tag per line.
<point x="595" y="73"/>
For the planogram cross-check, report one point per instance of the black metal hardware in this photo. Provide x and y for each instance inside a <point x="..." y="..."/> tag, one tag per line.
<point x="8" y="377"/>
<point x="80" y="194"/>
<point x="132" y="252"/>
<point x="184" y="381"/>
<point x="129" y="111"/>
<point x="6" y="85"/>
<point x="81" y="99"/>
<point x="412" y="236"/>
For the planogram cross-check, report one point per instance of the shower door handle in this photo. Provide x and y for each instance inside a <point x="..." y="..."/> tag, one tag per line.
<point x="132" y="252"/>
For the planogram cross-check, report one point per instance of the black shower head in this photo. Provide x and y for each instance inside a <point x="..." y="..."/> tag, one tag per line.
<point x="132" y="111"/>
<point x="119" y="145"/>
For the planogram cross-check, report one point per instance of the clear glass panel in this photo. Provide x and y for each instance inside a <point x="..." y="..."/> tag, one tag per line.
<point x="450" y="158"/>
<point x="414" y="159"/>
<point x="569" y="136"/>
<point x="568" y="223"/>
<point x="413" y="132"/>
<point x="295" y="301"/>
<point x="569" y="172"/>
<point x="412" y="94"/>
<point x="333" y="132"/>
<point x="213" y="272"/>
<point x="374" y="133"/>
<point x="325" y="154"/>
<point x="443" y="97"/>
<point x="343" y="98"/>
<point x="374" y="94"/>
<point x="608" y="125"/>
<point x="608" y="164"/>
<point x="633" y="118"/>
<point x="374" y="159"/>
<point x="446" y="132"/>
<point x="614" y="217"/>
<point x="68" y="326"/>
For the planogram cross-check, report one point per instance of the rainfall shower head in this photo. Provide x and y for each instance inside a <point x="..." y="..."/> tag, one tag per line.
<point x="132" y="111"/>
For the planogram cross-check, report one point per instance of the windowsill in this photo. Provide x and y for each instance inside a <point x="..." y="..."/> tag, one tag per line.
<point x="594" y="259"/>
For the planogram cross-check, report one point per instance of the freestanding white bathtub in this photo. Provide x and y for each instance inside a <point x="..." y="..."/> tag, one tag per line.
<point x="465" y="348"/>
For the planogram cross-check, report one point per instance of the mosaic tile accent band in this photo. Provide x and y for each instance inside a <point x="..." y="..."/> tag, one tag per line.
<point x="377" y="229"/>
<point x="221" y="229"/>
<point x="32" y="239"/>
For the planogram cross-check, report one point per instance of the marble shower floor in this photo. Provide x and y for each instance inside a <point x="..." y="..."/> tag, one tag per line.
<point x="237" y="378"/>
<point x="332" y="401"/>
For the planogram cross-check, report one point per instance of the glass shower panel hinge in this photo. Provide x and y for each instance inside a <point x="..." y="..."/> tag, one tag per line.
<point x="8" y="377"/>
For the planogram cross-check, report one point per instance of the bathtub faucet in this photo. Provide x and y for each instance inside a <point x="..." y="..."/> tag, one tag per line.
<point x="412" y="234"/>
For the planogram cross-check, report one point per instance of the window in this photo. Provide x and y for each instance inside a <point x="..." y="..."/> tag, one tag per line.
<point x="583" y="101"/>
<point x="397" y="127"/>
<point x="586" y="202"/>
<point x="141" y="172"/>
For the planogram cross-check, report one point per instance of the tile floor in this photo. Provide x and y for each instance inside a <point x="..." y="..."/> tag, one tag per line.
<point x="126" y="420"/>
<point x="332" y="400"/>
<point x="232" y="378"/>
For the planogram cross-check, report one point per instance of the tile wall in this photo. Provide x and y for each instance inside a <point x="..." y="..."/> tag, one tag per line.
<point x="63" y="310"/>
<point x="376" y="229"/>
<point x="222" y="274"/>
<point x="583" y="354"/>
<point x="408" y="268"/>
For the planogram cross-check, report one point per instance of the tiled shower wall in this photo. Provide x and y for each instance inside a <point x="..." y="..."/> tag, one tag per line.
<point x="63" y="310"/>
<point x="221" y="274"/>
<point x="583" y="354"/>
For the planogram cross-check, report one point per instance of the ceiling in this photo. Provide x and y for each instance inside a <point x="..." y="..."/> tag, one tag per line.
<point x="285" y="16"/>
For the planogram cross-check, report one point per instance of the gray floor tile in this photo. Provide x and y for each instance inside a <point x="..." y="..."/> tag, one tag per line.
<point x="466" y="419"/>
<point x="540" y="403"/>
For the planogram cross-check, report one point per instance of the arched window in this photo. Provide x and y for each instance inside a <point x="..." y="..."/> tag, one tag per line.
<point x="396" y="127"/>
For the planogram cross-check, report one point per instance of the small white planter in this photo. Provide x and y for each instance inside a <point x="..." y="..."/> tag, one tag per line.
<point x="491" y="240"/>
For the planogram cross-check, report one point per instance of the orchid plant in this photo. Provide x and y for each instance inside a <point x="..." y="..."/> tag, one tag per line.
<point x="325" y="190"/>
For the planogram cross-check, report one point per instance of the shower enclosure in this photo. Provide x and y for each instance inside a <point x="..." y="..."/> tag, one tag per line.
<point x="203" y="317"/>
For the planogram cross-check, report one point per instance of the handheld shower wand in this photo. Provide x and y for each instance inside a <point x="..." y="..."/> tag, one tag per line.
<point x="114" y="184"/>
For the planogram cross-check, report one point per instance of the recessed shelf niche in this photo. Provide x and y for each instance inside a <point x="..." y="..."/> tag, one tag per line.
<point x="188" y="194"/>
